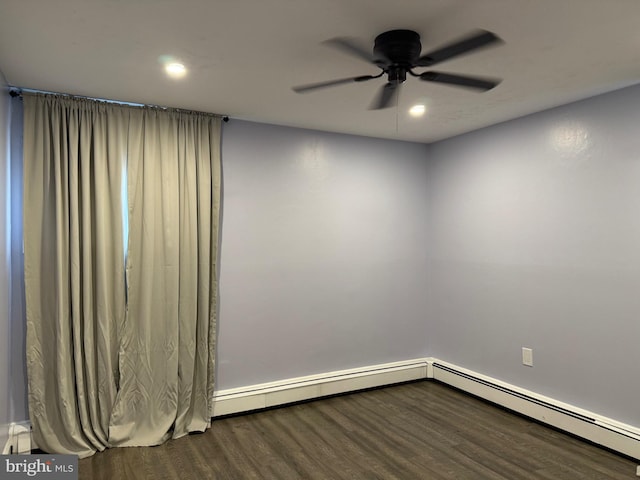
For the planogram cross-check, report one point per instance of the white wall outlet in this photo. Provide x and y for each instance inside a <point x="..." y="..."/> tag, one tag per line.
<point x="527" y="356"/>
<point x="638" y="471"/>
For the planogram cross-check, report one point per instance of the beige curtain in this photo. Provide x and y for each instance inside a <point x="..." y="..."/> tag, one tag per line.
<point x="113" y="357"/>
<point x="165" y="360"/>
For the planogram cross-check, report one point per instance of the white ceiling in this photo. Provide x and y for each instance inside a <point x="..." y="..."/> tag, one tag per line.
<point x="243" y="56"/>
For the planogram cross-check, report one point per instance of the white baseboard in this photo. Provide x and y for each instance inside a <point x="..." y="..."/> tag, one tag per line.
<point x="601" y="430"/>
<point x="272" y="394"/>
<point x="19" y="441"/>
<point x="596" y="428"/>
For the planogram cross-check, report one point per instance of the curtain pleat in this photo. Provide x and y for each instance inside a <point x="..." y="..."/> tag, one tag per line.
<point x="119" y="357"/>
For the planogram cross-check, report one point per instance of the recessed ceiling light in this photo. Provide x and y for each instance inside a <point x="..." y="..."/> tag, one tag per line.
<point x="175" y="70"/>
<point x="417" y="110"/>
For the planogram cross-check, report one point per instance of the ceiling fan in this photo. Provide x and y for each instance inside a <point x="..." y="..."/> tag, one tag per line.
<point x="397" y="53"/>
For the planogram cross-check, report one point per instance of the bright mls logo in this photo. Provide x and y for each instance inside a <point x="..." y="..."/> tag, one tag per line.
<point x="51" y="467"/>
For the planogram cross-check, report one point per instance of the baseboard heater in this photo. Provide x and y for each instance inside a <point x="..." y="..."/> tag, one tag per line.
<point x="598" y="429"/>
<point x="19" y="441"/>
<point x="588" y="425"/>
<point x="266" y="395"/>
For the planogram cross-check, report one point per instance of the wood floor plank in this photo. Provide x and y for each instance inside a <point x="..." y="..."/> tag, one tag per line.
<point x="421" y="430"/>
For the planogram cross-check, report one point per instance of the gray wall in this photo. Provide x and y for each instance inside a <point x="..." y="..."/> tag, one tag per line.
<point x="5" y="266"/>
<point x="342" y="251"/>
<point x="536" y="242"/>
<point x="324" y="253"/>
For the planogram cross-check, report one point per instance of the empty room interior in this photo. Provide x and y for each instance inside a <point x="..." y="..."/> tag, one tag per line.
<point x="212" y="209"/>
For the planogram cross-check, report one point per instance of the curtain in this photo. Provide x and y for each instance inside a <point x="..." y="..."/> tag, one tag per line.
<point x="165" y="356"/>
<point x="119" y="356"/>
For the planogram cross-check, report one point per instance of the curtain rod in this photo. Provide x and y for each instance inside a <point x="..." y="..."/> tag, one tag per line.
<point x="17" y="92"/>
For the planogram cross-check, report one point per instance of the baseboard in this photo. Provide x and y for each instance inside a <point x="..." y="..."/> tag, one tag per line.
<point x="266" y="395"/>
<point x="596" y="428"/>
<point x="601" y="430"/>
<point x="19" y="441"/>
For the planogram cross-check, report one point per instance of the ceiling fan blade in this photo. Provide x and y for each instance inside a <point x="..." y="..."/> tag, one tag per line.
<point x="315" y="86"/>
<point x="349" y="46"/>
<point x="385" y="99"/>
<point x="477" y="83"/>
<point x="479" y="39"/>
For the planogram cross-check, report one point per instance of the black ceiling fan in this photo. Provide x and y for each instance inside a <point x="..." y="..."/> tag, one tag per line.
<point x="397" y="53"/>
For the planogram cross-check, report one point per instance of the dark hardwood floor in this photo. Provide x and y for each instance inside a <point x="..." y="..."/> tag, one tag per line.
<point x="421" y="430"/>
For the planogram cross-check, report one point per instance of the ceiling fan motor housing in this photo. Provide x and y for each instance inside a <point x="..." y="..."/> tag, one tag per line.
<point x="397" y="47"/>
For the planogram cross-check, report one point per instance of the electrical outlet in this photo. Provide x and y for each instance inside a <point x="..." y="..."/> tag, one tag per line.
<point x="638" y="471"/>
<point x="527" y="357"/>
